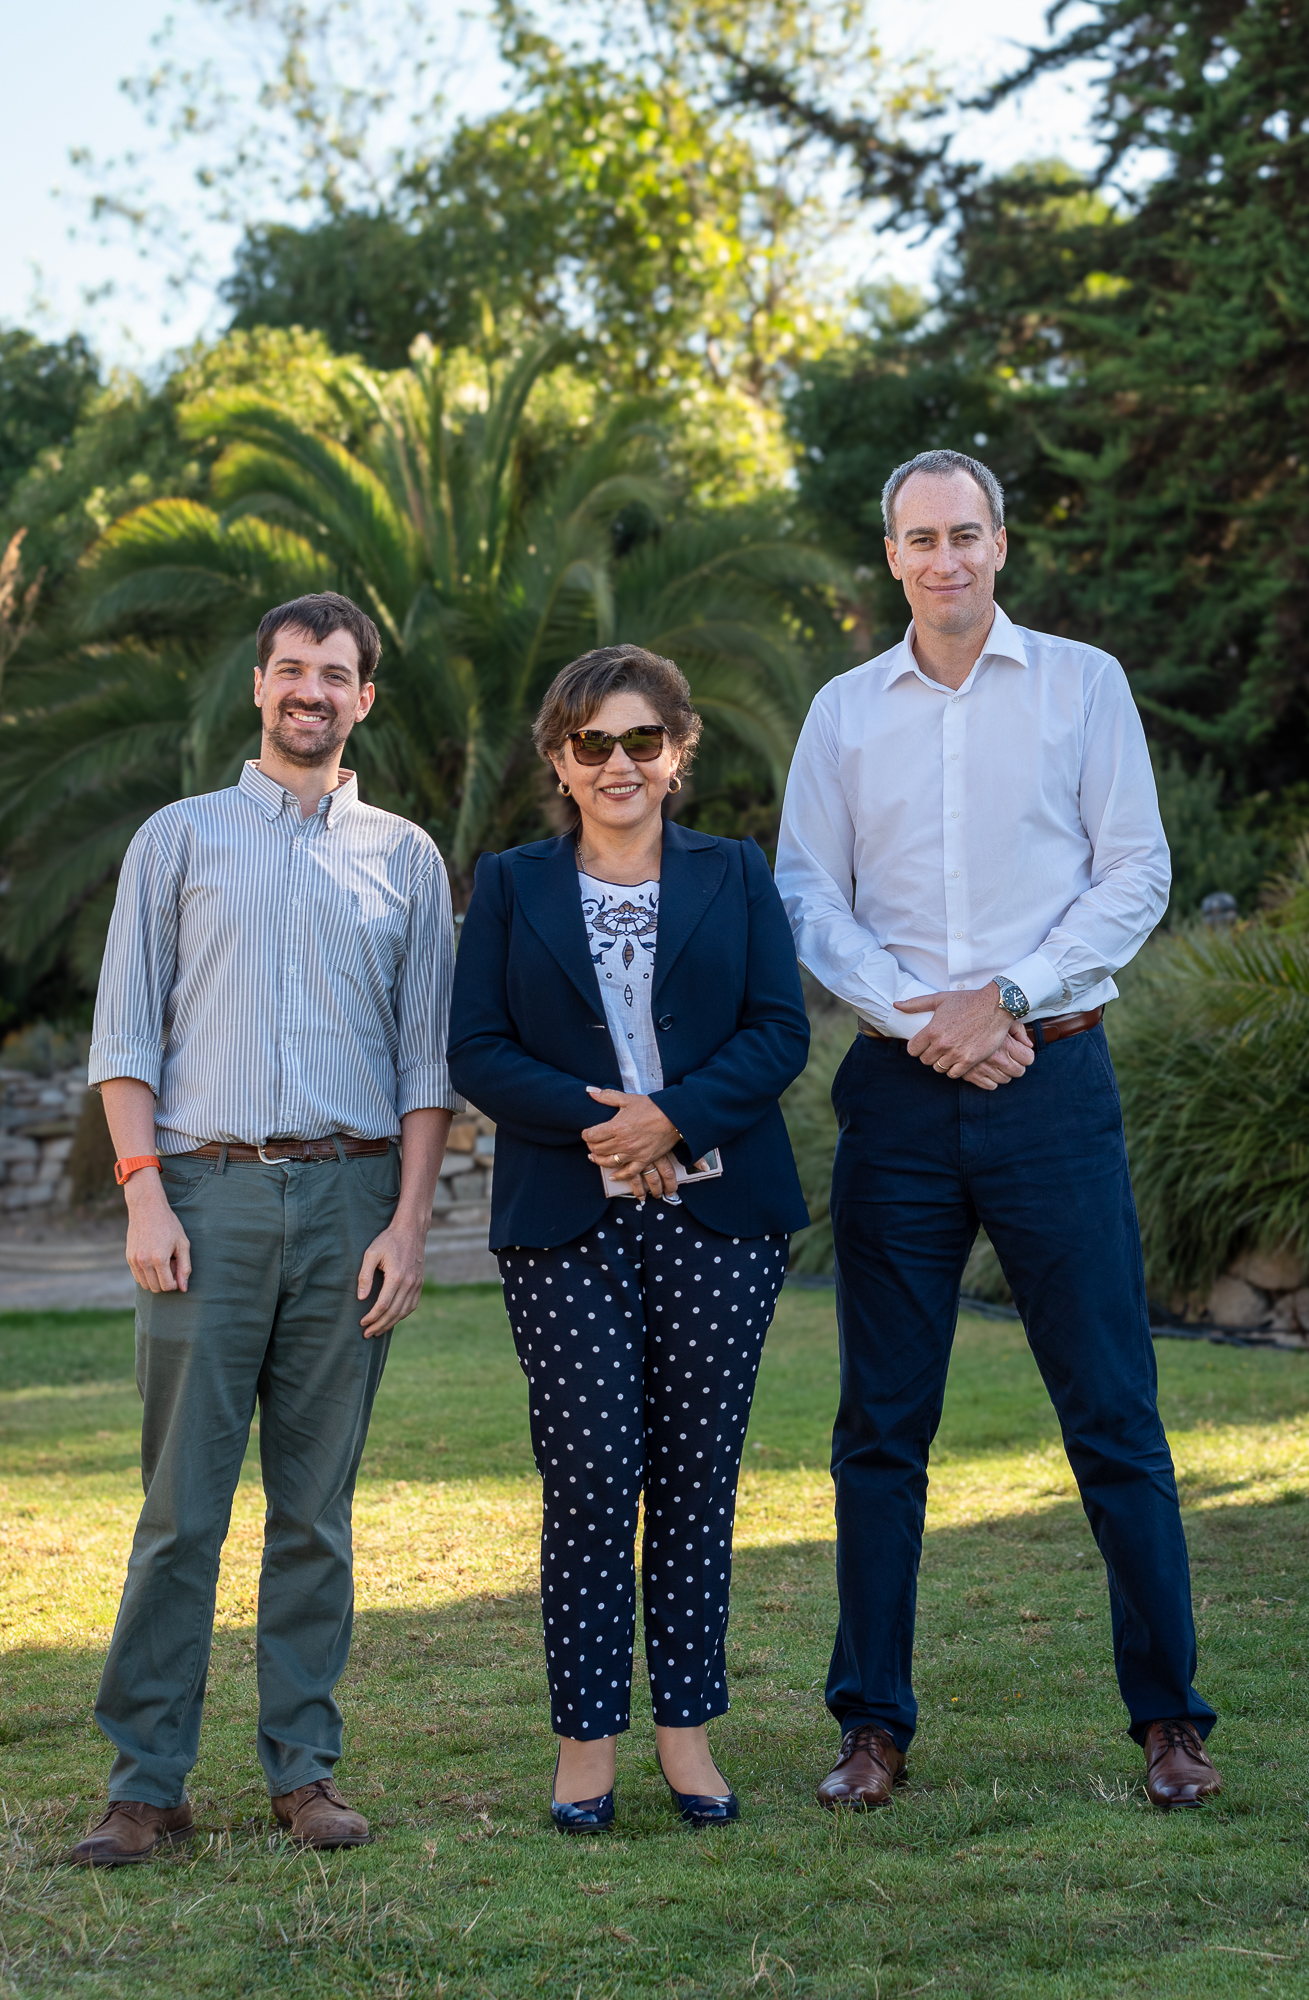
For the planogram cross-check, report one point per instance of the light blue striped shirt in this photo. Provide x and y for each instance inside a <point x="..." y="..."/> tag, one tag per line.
<point x="271" y="976"/>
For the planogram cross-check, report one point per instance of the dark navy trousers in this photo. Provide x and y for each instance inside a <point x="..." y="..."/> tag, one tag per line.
<point x="1041" y="1164"/>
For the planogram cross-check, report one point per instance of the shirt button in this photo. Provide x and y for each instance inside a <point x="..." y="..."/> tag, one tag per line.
<point x="954" y="874"/>
<point x="954" y="756"/>
<point x="954" y="701"/>
<point x="958" y="934"/>
<point x="665" y="1022"/>
<point x="954" y="815"/>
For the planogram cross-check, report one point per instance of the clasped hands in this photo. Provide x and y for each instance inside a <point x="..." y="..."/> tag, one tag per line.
<point x="637" y="1142"/>
<point x="970" y="1036"/>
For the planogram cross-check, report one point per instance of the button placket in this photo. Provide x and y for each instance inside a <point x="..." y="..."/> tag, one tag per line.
<point x="954" y="730"/>
<point x="290" y="1082"/>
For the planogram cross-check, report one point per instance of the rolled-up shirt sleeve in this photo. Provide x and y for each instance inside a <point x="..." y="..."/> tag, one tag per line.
<point x="140" y="965"/>
<point x="815" y="876"/>
<point x="422" y="999"/>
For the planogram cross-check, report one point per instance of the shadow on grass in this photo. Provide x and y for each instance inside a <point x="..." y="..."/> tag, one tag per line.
<point x="1013" y="1667"/>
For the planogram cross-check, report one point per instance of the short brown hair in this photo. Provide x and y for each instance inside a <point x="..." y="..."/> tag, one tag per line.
<point x="579" y="689"/>
<point x="325" y="612"/>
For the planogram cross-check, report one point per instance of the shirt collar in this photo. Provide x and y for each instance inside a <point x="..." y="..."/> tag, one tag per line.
<point x="271" y="798"/>
<point x="1003" y="642"/>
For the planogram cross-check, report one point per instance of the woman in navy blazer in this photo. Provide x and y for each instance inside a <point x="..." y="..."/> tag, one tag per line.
<point x="627" y="997"/>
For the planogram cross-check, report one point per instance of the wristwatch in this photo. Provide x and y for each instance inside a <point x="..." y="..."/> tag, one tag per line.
<point x="1013" y="999"/>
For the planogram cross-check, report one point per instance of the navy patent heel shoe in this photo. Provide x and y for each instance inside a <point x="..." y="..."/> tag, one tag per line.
<point x="581" y="1815"/>
<point x="704" y="1809"/>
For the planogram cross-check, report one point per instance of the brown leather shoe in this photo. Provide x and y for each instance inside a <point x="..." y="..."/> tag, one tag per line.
<point x="865" y="1773"/>
<point x="1177" y="1767"/>
<point x="131" y="1831"/>
<point x="317" y="1816"/>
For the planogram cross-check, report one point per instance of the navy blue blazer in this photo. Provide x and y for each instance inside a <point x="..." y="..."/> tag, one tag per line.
<point x="528" y="1034"/>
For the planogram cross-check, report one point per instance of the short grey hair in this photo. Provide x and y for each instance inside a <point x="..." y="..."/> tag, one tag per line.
<point x="944" y="463"/>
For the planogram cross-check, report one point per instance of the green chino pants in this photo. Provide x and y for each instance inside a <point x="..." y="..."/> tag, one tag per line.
<point x="271" y="1317"/>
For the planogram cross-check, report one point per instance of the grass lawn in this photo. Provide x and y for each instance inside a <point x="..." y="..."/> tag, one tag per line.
<point x="1023" y="1859"/>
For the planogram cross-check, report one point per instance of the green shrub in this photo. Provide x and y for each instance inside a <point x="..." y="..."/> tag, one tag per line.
<point x="42" y="1049"/>
<point x="1209" y="850"/>
<point x="811" y="1123"/>
<point x="1211" y="1045"/>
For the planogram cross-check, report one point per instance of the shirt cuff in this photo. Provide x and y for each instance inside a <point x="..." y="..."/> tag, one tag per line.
<point x="901" y="1026"/>
<point x="1043" y="986"/>
<point x="426" y="1087"/>
<point x="123" y="1056"/>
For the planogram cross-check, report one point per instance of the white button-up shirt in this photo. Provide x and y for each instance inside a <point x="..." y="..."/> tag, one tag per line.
<point x="935" y="838"/>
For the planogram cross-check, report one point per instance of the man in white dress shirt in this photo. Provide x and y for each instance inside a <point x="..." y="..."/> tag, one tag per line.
<point x="970" y="849"/>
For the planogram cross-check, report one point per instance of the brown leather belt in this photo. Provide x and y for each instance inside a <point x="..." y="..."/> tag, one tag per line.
<point x="1057" y="1029"/>
<point x="274" y="1150"/>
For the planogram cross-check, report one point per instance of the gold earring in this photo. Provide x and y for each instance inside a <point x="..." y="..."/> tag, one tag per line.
<point x="674" y="784"/>
<point x="565" y="791"/>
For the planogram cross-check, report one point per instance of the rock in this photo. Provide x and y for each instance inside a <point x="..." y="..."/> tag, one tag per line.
<point x="57" y="1149"/>
<point x="12" y="1147"/>
<point x="456" y="1163"/>
<point x="469" y="1189"/>
<point x="442" y="1196"/>
<point x="463" y="1135"/>
<point x="1234" y="1302"/>
<point x="1272" y="1270"/>
<point x="485" y="1147"/>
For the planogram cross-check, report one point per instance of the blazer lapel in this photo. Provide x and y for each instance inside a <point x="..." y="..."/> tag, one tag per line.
<point x="690" y="875"/>
<point x="545" y="884"/>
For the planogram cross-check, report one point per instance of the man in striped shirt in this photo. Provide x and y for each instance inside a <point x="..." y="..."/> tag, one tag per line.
<point x="271" y="1020"/>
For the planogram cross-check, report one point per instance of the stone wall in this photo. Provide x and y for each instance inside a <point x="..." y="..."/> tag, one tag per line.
<point x="1265" y="1291"/>
<point x="466" y="1169"/>
<point x="38" y="1121"/>
<point x="38" y="1118"/>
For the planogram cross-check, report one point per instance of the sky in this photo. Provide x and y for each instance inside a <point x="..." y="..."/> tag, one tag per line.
<point x="64" y="62"/>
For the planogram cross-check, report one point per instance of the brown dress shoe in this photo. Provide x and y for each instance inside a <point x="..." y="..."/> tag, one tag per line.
<point x="1177" y="1767"/>
<point x="866" y="1771"/>
<point x="317" y="1816"/>
<point x="131" y="1831"/>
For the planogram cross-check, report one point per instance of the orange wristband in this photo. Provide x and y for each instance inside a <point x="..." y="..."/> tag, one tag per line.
<point x="124" y="1169"/>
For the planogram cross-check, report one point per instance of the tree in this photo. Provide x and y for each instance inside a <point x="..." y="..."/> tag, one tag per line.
<point x="1135" y="361"/>
<point x="44" y="390"/>
<point x="487" y="562"/>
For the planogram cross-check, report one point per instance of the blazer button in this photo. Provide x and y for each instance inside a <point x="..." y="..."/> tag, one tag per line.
<point x="665" y="1021"/>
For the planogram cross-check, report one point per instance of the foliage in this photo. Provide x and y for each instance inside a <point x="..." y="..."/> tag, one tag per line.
<point x="811" y="1127"/>
<point x="44" y="1048"/>
<point x="95" y="736"/>
<point x="1212" y="1054"/>
<point x="1210" y="848"/>
<point x="18" y="600"/>
<point x="1134" y="368"/>
<point x="128" y="447"/>
<point x="490" y="547"/>
<point x="624" y="194"/>
<point x="44" y="390"/>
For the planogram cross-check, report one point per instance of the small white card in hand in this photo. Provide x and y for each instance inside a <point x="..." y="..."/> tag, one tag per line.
<point x="710" y="1168"/>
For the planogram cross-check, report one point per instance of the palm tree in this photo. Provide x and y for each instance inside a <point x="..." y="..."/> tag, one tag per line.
<point x="482" y="585"/>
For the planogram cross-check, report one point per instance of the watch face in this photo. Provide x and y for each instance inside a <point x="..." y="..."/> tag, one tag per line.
<point x="1013" y="999"/>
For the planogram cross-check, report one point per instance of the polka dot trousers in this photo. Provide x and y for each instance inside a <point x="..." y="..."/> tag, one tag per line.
<point x="640" y="1343"/>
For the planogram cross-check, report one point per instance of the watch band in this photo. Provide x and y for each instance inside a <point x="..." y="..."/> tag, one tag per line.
<point x="124" y="1169"/>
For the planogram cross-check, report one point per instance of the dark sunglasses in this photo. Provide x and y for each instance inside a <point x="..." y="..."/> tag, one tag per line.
<point x="596" y="746"/>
